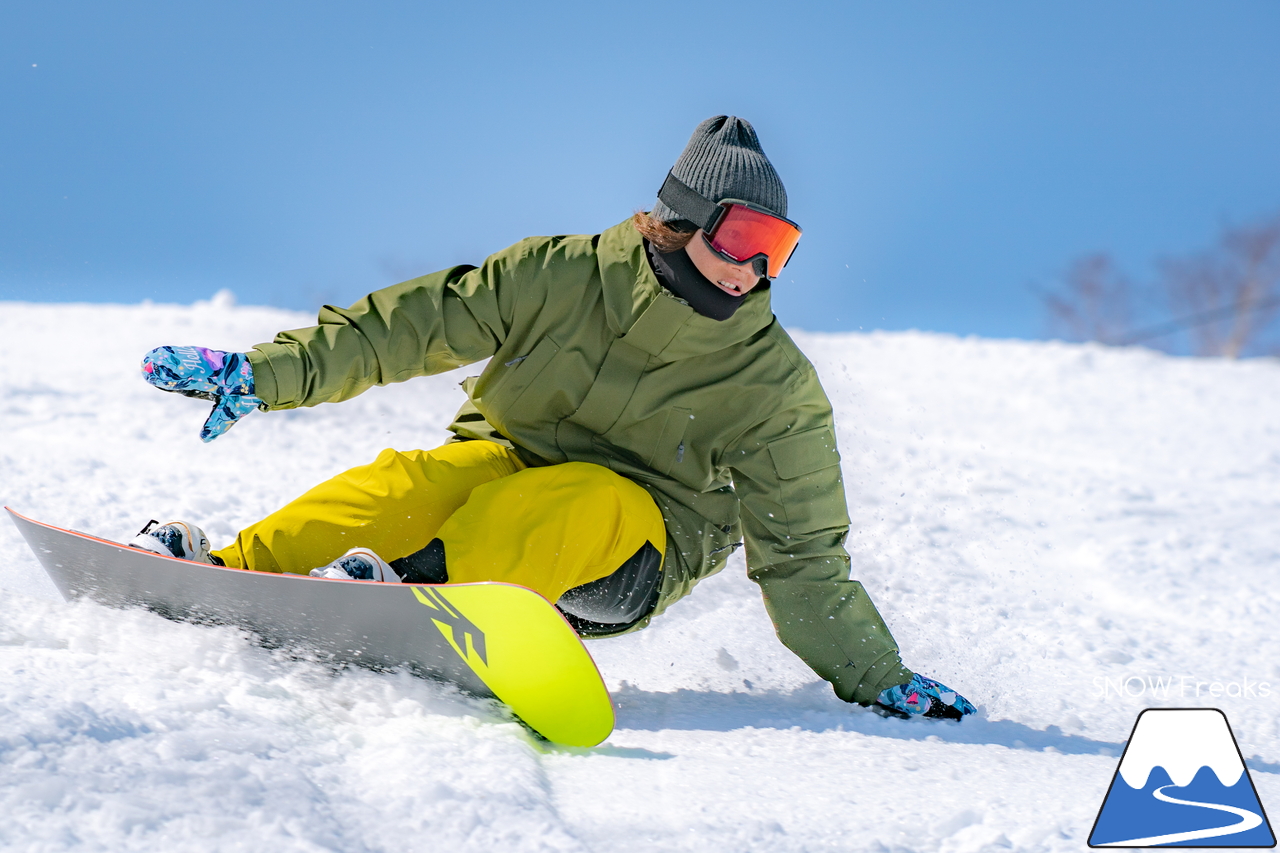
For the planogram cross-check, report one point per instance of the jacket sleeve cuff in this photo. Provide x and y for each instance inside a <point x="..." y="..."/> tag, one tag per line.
<point x="883" y="674"/>
<point x="277" y="376"/>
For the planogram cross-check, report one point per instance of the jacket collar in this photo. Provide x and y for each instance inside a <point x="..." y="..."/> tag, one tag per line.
<point x="632" y="307"/>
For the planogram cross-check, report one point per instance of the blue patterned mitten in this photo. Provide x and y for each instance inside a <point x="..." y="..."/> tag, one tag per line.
<point x="225" y="378"/>
<point x="924" y="697"/>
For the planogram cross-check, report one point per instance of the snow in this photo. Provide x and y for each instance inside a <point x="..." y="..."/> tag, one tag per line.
<point x="1065" y="534"/>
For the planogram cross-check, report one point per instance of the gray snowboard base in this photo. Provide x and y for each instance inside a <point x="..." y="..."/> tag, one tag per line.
<point x="490" y="639"/>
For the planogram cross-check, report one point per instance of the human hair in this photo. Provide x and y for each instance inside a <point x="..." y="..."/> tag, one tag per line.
<point x="664" y="236"/>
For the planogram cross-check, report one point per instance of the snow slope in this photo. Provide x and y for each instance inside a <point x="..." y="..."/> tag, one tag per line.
<point x="1037" y="522"/>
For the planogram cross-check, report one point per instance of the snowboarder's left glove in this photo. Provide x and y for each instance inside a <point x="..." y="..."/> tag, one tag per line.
<point x="924" y="697"/>
<point x="226" y="378"/>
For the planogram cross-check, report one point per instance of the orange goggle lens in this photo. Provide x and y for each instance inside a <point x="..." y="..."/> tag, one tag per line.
<point x="743" y="233"/>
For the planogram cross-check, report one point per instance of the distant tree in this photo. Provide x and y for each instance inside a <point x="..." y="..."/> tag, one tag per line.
<point x="1232" y="290"/>
<point x="1225" y="298"/>
<point x="1095" y="303"/>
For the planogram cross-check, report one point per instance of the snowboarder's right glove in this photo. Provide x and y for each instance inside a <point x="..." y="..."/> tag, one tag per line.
<point x="924" y="697"/>
<point x="226" y="378"/>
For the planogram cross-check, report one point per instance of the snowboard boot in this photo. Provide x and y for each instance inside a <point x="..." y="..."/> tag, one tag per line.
<point x="180" y="539"/>
<point x="358" y="564"/>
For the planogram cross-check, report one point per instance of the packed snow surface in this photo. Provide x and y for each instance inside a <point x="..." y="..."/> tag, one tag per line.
<point x="1065" y="534"/>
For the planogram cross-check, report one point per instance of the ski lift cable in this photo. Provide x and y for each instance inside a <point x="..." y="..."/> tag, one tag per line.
<point x="1193" y="320"/>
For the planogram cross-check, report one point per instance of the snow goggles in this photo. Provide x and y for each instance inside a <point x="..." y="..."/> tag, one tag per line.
<point x="736" y="230"/>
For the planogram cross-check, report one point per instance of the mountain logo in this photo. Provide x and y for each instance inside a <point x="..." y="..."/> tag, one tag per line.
<point x="1181" y="783"/>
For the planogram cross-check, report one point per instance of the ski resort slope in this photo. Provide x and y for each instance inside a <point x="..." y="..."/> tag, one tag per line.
<point x="1047" y="528"/>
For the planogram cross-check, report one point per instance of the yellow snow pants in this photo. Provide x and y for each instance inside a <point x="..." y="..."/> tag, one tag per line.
<point x="550" y="529"/>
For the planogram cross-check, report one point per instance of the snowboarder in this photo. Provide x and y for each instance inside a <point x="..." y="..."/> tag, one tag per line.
<point x="642" y="414"/>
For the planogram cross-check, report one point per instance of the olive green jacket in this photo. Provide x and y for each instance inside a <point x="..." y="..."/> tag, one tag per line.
<point x="724" y="423"/>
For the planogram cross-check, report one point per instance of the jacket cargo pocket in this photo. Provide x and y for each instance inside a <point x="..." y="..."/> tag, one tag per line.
<point x="811" y="488"/>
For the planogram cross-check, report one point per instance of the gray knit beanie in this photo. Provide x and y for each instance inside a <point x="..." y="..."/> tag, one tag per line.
<point x="724" y="160"/>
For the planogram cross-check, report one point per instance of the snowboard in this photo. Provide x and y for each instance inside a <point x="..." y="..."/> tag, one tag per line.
<point x="490" y="639"/>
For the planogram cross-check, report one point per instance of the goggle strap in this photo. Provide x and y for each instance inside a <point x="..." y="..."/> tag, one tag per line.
<point x="689" y="203"/>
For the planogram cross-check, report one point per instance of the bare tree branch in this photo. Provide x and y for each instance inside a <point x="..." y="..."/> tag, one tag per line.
<point x="1228" y="296"/>
<point x="1234" y="286"/>
<point x="1095" y="304"/>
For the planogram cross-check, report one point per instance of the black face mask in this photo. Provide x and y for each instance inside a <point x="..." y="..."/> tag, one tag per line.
<point x="677" y="273"/>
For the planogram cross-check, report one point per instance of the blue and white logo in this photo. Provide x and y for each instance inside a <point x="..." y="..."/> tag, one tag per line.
<point x="1181" y="783"/>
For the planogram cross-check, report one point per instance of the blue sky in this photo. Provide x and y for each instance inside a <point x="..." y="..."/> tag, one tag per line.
<point x="943" y="159"/>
